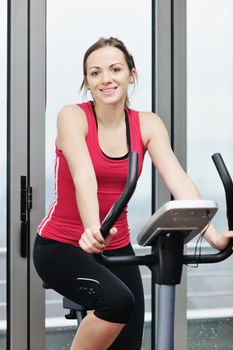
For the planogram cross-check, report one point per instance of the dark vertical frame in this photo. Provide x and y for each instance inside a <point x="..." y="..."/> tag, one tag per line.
<point x="37" y="163"/>
<point x="153" y="173"/>
<point x="169" y="95"/>
<point x="8" y="201"/>
<point x="25" y="158"/>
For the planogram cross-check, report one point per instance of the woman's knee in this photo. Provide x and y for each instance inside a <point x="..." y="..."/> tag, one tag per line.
<point x="117" y="307"/>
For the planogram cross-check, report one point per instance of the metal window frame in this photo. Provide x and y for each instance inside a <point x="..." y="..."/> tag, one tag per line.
<point x="17" y="118"/>
<point x="25" y="145"/>
<point x="169" y="95"/>
<point x="37" y="161"/>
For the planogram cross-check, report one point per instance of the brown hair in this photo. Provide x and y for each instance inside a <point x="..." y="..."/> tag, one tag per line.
<point x="103" y="42"/>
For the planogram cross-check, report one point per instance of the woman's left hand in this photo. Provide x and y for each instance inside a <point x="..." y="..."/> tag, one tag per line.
<point x="222" y="240"/>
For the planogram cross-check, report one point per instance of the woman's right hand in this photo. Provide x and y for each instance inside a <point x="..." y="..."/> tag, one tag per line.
<point x="93" y="242"/>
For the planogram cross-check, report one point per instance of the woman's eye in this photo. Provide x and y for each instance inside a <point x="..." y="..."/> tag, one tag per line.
<point x="94" y="74"/>
<point x="116" y="70"/>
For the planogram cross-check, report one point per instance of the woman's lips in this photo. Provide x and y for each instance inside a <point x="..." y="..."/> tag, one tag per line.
<point x="108" y="91"/>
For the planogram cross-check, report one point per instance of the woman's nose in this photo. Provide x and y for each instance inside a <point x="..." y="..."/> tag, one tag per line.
<point x="106" y="77"/>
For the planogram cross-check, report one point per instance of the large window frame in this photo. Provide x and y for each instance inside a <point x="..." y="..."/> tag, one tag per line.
<point x="17" y="115"/>
<point x="170" y="104"/>
<point x="25" y="140"/>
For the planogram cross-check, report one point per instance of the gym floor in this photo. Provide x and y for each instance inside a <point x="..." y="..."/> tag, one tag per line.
<point x="212" y="334"/>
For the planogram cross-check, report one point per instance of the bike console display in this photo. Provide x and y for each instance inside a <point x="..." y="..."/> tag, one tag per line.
<point x="189" y="216"/>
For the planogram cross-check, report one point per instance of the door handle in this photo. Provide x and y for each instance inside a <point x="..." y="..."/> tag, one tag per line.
<point x="25" y="207"/>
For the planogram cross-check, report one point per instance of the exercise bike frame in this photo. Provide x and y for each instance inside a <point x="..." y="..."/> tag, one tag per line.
<point x="166" y="249"/>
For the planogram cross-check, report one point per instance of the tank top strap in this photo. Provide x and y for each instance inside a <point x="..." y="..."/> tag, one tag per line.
<point x="87" y="108"/>
<point x="135" y="132"/>
<point x="92" y="136"/>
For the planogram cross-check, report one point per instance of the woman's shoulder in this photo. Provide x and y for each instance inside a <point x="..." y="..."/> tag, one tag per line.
<point x="71" y="119"/>
<point x="149" y="117"/>
<point x="73" y="114"/>
<point x="150" y="124"/>
<point x="146" y="118"/>
<point x="71" y="110"/>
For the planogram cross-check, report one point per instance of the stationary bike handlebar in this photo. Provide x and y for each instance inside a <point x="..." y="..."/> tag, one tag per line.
<point x="116" y="211"/>
<point x="228" y="187"/>
<point x="121" y="203"/>
<point x="117" y="208"/>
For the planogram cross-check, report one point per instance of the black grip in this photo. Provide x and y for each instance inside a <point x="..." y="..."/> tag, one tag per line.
<point x="228" y="186"/>
<point x="119" y="206"/>
<point x="23" y="239"/>
<point x="23" y="217"/>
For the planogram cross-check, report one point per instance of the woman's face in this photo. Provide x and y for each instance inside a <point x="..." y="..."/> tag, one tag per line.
<point x="108" y="75"/>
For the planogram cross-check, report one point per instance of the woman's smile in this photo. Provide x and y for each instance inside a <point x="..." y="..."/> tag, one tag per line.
<point x="108" y="91"/>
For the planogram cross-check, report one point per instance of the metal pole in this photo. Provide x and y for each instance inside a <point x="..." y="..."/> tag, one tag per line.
<point x="166" y="317"/>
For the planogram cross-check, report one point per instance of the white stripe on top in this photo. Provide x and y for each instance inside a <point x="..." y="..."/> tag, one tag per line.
<point x="54" y="204"/>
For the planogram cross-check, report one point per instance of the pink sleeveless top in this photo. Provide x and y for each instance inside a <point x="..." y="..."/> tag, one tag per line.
<point x="62" y="222"/>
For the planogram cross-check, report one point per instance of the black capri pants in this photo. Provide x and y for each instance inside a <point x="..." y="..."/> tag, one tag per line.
<point x="114" y="293"/>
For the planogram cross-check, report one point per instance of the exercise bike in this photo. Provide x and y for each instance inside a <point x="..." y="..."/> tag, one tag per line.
<point x="167" y="232"/>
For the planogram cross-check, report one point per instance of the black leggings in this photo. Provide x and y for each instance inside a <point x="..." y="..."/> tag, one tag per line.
<point x="114" y="293"/>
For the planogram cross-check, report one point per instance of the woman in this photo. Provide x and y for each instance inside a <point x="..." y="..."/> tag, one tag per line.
<point x="92" y="146"/>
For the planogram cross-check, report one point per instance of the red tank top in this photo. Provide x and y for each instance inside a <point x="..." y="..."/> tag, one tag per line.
<point x="62" y="222"/>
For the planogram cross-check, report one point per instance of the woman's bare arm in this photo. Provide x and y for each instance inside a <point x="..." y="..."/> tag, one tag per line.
<point x="71" y="140"/>
<point x="177" y="181"/>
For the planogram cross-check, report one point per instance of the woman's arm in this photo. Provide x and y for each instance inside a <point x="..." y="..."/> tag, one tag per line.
<point x="177" y="181"/>
<point x="71" y="140"/>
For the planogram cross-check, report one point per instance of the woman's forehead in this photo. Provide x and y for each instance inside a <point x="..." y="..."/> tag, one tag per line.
<point x="105" y="55"/>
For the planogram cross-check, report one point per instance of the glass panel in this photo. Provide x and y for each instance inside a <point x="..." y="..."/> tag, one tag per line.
<point x="71" y="28"/>
<point x="3" y="94"/>
<point x="210" y="130"/>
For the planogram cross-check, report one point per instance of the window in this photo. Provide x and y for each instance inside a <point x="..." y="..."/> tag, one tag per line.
<point x="210" y="130"/>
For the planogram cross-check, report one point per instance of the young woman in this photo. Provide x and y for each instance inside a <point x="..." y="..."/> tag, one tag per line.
<point x="92" y="146"/>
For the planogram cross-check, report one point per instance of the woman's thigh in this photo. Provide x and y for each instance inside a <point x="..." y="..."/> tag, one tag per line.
<point x="78" y="276"/>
